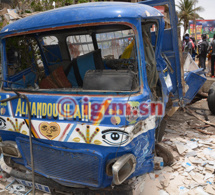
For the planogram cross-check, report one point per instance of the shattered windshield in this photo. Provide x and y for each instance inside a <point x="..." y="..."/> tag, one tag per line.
<point x="95" y="58"/>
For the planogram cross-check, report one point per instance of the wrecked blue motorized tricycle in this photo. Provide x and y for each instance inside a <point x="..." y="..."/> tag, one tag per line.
<point x="84" y="93"/>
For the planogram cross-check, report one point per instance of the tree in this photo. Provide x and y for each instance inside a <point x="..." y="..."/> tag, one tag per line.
<point x="30" y="6"/>
<point x="42" y="5"/>
<point x="188" y="11"/>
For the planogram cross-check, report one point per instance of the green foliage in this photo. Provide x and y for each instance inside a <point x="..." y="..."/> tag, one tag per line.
<point x="82" y="1"/>
<point x="37" y="7"/>
<point x="42" y="5"/>
<point x="188" y="11"/>
<point x="27" y="11"/>
<point x="22" y="52"/>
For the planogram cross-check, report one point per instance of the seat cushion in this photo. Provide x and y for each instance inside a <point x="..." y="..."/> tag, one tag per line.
<point x="57" y="79"/>
<point x="61" y="79"/>
<point x="48" y="83"/>
<point x="80" y="65"/>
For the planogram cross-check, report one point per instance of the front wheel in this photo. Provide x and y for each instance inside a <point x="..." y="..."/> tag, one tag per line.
<point x="163" y="152"/>
<point x="211" y="98"/>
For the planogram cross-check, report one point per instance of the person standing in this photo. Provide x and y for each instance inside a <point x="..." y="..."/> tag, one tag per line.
<point x="203" y="50"/>
<point x="194" y="48"/>
<point x="212" y="47"/>
<point x="188" y="44"/>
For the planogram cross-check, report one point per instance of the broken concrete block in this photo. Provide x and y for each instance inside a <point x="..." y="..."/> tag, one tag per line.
<point x="167" y="169"/>
<point x="174" y="184"/>
<point x="208" y="175"/>
<point x="209" y="189"/>
<point x="200" y="190"/>
<point x="198" y="178"/>
<point x="195" y="160"/>
<point x="176" y="167"/>
<point x="163" y="192"/>
<point x="192" y="145"/>
<point x="186" y="182"/>
<point x="185" y="174"/>
<point x="166" y="180"/>
<point x="210" y="168"/>
<point x="181" y="148"/>
<point x="192" y="153"/>
<point x="212" y="163"/>
<point x="183" y="190"/>
<point x="186" y="164"/>
<point x="190" y="168"/>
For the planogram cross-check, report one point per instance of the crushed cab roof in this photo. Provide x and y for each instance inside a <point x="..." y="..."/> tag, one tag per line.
<point x="79" y="14"/>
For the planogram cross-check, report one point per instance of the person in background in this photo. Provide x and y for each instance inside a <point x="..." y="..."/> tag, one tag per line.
<point x="187" y="44"/>
<point x="203" y="50"/>
<point x="194" y="48"/>
<point x="212" y="47"/>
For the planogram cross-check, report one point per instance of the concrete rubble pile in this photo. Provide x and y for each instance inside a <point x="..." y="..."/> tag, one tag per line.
<point x="11" y="15"/>
<point x="193" y="169"/>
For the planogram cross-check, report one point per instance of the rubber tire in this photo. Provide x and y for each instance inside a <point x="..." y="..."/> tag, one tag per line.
<point x="211" y="98"/>
<point x="163" y="152"/>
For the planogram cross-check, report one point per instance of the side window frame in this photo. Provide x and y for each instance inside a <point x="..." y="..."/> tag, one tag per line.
<point x="150" y="62"/>
<point x="40" y="40"/>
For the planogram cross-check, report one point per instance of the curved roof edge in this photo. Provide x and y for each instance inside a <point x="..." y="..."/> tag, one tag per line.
<point x="81" y="13"/>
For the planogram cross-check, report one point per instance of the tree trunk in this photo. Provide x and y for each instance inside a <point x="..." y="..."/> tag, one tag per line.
<point x="186" y="23"/>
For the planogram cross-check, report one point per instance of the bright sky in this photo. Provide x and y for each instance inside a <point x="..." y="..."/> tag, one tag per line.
<point x="208" y="6"/>
<point x="208" y="12"/>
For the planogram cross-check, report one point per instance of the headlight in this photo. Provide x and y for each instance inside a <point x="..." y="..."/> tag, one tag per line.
<point x="10" y="148"/>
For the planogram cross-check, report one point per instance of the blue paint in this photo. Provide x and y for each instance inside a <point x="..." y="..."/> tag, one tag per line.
<point x="67" y="157"/>
<point x="188" y="164"/>
<point x="79" y="14"/>
<point x="70" y="132"/>
<point x="142" y="147"/>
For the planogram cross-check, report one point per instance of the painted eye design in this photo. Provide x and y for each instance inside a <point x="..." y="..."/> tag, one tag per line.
<point x="44" y="127"/>
<point x="2" y="123"/>
<point x="115" y="137"/>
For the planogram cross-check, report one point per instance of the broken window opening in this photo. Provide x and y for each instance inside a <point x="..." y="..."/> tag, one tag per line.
<point x="111" y="67"/>
<point x="51" y="49"/>
<point x="149" y="33"/>
<point x="24" y="62"/>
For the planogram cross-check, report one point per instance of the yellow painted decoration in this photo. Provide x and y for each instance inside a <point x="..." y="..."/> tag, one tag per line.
<point x="3" y="110"/>
<point x="97" y="142"/>
<point x="115" y="120"/>
<point x="50" y="131"/>
<point x="24" y="132"/>
<point x="76" y="139"/>
<point x="16" y="127"/>
<point x="88" y="134"/>
<point x="88" y="138"/>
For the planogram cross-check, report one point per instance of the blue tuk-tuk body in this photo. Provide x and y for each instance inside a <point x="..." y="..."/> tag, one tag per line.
<point x="84" y="136"/>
